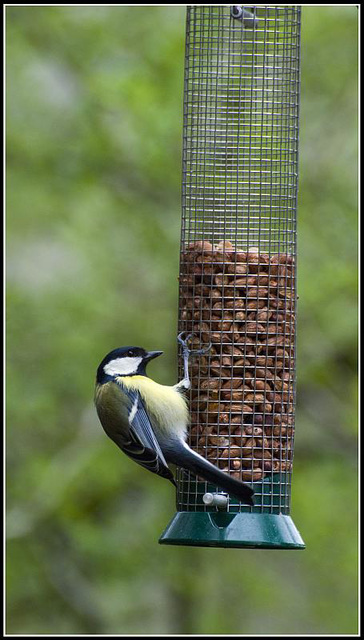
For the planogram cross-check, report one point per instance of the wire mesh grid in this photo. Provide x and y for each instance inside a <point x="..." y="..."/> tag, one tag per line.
<point x="238" y="245"/>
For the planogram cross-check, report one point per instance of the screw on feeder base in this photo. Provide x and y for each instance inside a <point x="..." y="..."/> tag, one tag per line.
<point x="219" y="500"/>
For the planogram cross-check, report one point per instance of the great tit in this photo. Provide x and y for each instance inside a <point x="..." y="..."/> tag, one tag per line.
<point x="148" y="421"/>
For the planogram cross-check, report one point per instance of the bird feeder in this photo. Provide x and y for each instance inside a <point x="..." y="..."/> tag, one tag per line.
<point x="238" y="270"/>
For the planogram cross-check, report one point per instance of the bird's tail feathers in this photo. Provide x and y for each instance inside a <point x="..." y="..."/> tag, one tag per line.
<point x="189" y="459"/>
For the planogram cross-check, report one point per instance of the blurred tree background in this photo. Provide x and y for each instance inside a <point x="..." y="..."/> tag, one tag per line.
<point x="94" y="124"/>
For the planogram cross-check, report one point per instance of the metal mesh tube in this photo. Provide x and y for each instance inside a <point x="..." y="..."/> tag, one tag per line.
<point x="238" y="245"/>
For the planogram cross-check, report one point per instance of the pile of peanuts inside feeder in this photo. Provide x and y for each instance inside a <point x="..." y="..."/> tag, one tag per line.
<point x="242" y="390"/>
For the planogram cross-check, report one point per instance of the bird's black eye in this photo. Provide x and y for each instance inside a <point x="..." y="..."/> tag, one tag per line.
<point x="130" y="352"/>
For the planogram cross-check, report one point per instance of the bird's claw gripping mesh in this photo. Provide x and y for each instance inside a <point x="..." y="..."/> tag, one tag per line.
<point x="185" y="347"/>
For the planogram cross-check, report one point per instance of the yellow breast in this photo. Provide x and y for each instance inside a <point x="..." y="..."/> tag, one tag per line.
<point x="164" y="404"/>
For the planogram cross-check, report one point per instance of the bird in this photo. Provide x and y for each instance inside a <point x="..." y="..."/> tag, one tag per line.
<point x="148" y="421"/>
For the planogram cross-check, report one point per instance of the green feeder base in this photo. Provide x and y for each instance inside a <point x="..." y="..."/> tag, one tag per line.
<point x="239" y="530"/>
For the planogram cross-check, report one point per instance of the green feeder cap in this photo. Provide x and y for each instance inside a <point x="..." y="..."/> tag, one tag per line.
<point x="234" y="530"/>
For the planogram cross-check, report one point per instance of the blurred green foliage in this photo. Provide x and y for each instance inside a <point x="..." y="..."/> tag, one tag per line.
<point x="94" y="125"/>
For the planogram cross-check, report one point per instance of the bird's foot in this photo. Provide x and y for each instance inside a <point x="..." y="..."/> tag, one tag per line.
<point x="185" y="348"/>
<point x="187" y="352"/>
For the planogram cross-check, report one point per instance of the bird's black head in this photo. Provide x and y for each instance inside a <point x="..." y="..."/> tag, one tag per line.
<point x="125" y="361"/>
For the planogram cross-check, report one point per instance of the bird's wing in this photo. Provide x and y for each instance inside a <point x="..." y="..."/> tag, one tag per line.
<point x="143" y="446"/>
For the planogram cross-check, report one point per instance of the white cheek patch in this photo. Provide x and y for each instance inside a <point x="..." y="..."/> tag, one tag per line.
<point x="122" y="366"/>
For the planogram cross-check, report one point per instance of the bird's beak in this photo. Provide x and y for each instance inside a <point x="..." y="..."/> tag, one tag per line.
<point x="152" y="354"/>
